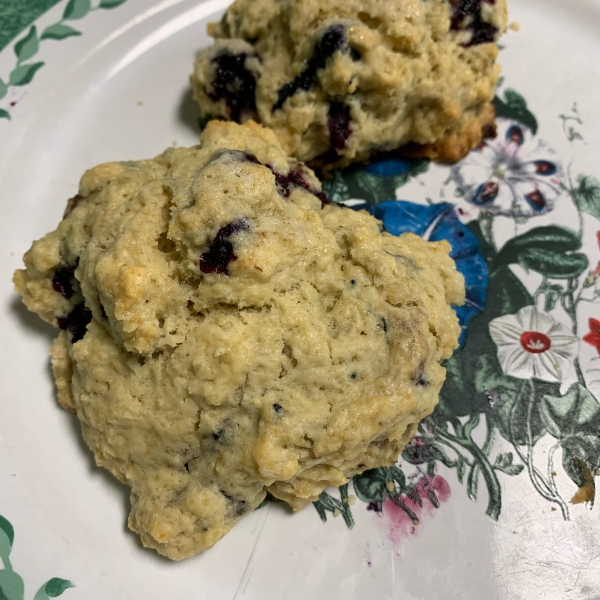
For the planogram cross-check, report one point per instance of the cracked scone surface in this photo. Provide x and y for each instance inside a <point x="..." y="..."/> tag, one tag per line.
<point x="339" y="81"/>
<point x="225" y="332"/>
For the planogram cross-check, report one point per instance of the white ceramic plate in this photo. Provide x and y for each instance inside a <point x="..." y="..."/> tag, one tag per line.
<point x="493" y="474"/>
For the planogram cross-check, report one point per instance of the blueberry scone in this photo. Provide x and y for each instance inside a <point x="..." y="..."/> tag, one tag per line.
<point x="226" y="332"/>
<point x="340" y="81"/>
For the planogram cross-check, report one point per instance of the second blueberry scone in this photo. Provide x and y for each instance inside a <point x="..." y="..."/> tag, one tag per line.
<point x="225" y="332"/>
<point x="339" y="81"/>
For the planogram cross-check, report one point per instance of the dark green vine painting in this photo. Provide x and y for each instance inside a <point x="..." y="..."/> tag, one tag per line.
<point x="15" y="15"/>
<point x="12" y="586"/>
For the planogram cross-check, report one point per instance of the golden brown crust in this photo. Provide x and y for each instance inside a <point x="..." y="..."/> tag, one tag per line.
<point x="456" y="145"/>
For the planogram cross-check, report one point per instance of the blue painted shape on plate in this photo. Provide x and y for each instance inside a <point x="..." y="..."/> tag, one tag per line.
<point x="389" y="167"/>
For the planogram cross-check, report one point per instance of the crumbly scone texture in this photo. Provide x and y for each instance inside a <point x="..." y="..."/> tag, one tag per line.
<point x="341" y="81"/>
<point x="225" y="332"/>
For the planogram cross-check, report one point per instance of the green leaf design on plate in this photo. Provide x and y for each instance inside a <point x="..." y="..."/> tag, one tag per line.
<point x="511" y="412"/>
<point x="552" y="293"/>
<point x="460" y="469"/>
<point x="11" y="586"/>
<point x="7" y="537"/>
<point x="111" y="3"/>
<point x="3" y="88"/>
<point x="581" y="459"/>
<point x="546" y="250"/>
<point x="56" y="586"/>
<point x="548" y="239"/>
<point x="24" y="74"/>
<point x="53" y="588"/>
<point x="587" y="195"/>
<point x="506" y="295"/>
<point x="424" y="452"/>
<point x="576" y="412"/>
<point x="357" y="182"/>
<point x="327" y="503"/>
<point x="4" y="114"/>
<point x="77" y="9"/>
<point x="472" y="485"/>
<point x="370" y="486"/>
<point x="553" y="264"/>
<point x="58" y="31"/>
<point x="504" y="463"/>
<point x="574" y="420"/>
<point x="388" y="483"/>
<point x="514" y="107"/>
<point x="26" y="47"/>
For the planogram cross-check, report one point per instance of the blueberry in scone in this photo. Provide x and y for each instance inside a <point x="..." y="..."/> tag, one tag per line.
<point x="225" y="332"/>
<point x="341" y="81"/>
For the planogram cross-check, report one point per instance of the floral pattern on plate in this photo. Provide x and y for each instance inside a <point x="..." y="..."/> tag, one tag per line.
<point x="515" y="174"/>
<point x="532" y="345"/>
<point x="518" y="374"/>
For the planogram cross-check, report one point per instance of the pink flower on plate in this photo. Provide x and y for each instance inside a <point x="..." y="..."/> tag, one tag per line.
<point x="532" y="345"/>
<point x="515" y="175"/>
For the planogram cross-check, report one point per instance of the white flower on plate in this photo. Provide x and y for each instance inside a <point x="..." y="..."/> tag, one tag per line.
<point x="532" y="345"/>
<point x="515" y="175"/>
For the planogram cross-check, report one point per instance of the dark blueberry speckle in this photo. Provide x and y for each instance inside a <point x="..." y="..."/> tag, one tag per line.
<point x="228" y="496"/>
<point x="384" y="324"/>
<point x="355" y="54"/>
<point x="76" y="322"/>
<point x="235" y="84"/>
<point x="286" y="183"/>
<point x="353" y="376"/>
<point x="220" y="252"/>
<point x="333" y="40"/>
<point x="338" y="125"/>
<point x="278" y="408"/>
<point x="421" y="381"/>
<point x="251" y="158"/>
<point x="467" y="15"/>
<point x="62" y="282"/>
<point x="240" y="505"/>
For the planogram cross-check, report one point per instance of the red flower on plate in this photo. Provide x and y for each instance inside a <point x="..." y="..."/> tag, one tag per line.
<point x="593" y="337"/>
